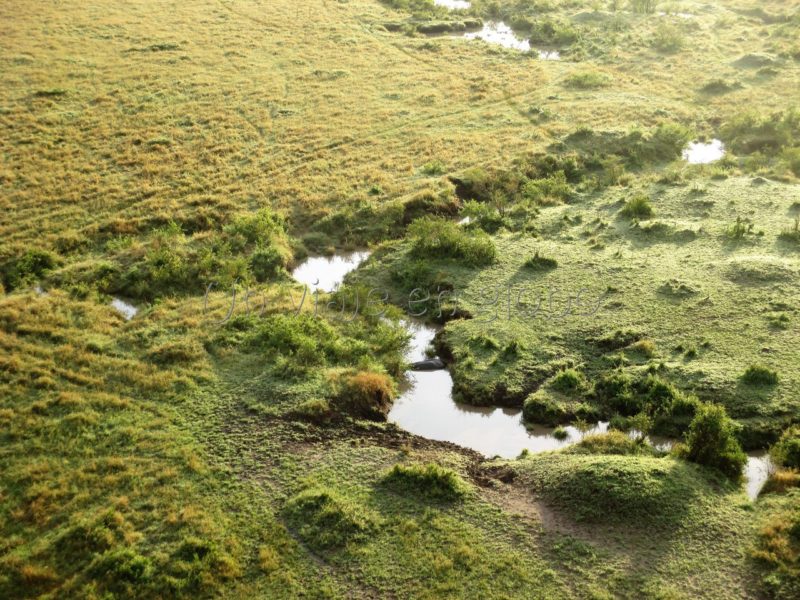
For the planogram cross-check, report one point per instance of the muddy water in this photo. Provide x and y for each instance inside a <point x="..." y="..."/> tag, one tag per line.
<point x="325" y="273"/>
<point x="426" y="406"/>
<point x="703" y="153"/>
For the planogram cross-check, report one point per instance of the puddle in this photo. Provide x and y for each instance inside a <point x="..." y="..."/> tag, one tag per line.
<point x="497" y="32"/>
<point x="126" y="309"/>
<point x="549" y="55"/>
<point x="756" y="472"/>
<point x="426" y="408"/>
<point x="453" y="4"/>
<point x="325" y="273"/>
<point x="702" y="153"/>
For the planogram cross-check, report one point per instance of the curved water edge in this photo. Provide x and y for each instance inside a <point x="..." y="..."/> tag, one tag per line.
<point x="497" y="32"/>
<point x="426" y="406"/>
<point x="325" y="273"/>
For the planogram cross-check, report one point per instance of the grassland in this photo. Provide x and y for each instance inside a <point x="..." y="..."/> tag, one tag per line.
<point x="148" y="150"/>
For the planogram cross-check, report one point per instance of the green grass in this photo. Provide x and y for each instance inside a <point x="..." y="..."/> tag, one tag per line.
<point x="175" y="456"/>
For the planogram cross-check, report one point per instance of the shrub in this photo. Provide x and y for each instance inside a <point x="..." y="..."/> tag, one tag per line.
<point x="560" y="433"/>
<point x="638" y="207"/>
<point x="431" y="481"/>
<point x="646" y="348"/>
<point x="540" y="263"/>
<point x="568" y="380"/>
<point x="760" y="375"/>
<point x="588" y="80"/>
<point x="615" y="390"/>
<point x="267" y="262"/>
<point x="26" y="268"/>
<point x="548" y="190"/>
<point x="751" y="132"/>
<point x="668" y="38"/>
<point x="435" y="167"/>
<point x="712" y="441"/>
<point x="540" y="408"/>
<point x="786" y="451"/>
<point x="441" y="238"/>
<point x="484" y="216"/>
<point x="366" y="394"/>
<point x="324" y="520"/>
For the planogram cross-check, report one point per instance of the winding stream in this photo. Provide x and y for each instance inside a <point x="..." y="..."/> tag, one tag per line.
<point x="426" y="406"/>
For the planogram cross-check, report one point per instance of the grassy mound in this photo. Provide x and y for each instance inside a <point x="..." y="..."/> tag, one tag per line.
<point x="617" y="489"/>
<point x="430" y="481"/>
<point x="324" y="520"/>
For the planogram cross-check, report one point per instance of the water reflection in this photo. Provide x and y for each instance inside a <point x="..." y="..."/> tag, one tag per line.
<point x="325" y="273"/>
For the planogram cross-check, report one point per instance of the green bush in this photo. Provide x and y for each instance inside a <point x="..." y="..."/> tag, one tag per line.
<point x="588" y="80"/>
<point x="541" y="409"/>
<point x="568" y="380"/>
<point x="786" y="451"/>
<point x="615" y="390"/>
<point x="26" y="268"/>
<point x="430" y="481"/>
<point x="752" y="132"/>
<point x="548" y="190"/>
<point x="434" y="238"/>
<point x="668" y="38"/>
<point x="712" y="442"/>
<point x="760" y="375"/>
<point x="638" y="207"/>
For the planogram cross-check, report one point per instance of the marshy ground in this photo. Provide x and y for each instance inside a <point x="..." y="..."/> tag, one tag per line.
<point x="149" y="150"/>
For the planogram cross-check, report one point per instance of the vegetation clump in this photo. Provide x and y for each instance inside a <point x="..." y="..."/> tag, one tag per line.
<point x="326" y="521"/>
<point x="435" y="238"/>
<point x="366" y="394"/>
<point x="760" y="375"/>
<point x="638" y="207"/>
<point x="541" y="263"/>
<point x="430" y="480"/>
<point x="786" y="451"/>
<point x="712" y="442"/>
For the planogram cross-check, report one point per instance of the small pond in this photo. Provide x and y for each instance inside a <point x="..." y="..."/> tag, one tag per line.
<point x="703" y="153"/>
<point x="127" y="310"/>
<point x="325" y="273"/>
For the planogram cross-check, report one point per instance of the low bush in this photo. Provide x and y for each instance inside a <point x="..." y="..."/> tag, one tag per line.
<point x="638" y="207"/>
<point x="434" y="238"/>
<point x="429" y="481"/>
<point x="668" y="38"/>
<point x="712" y="442"/>
<point x="786" y="451"/>
<point x="615" y="391"/>
<point x="366" y="394"/>
<point x="25" y="268"/>
<point x="549" y="190"/>
<point x="542" y="409"/>
<point x="760" y="375"/>
<point x="752" y="132"/>
<point x="568" y="380"/>
<point x="588" y="80"/>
